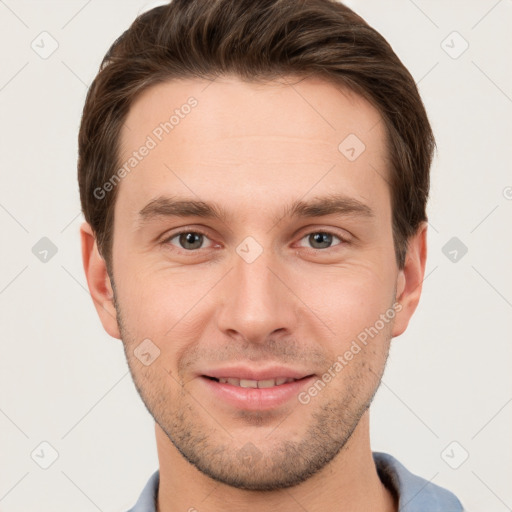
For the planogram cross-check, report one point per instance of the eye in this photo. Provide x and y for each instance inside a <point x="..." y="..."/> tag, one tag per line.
<point x="187" y="240"/>
<point x="193" y="240"/>
<point x="322" y="239"/>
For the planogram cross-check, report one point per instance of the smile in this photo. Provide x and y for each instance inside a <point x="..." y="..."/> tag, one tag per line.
<point x="254" y="395"/>
<point x="248" y="383"/>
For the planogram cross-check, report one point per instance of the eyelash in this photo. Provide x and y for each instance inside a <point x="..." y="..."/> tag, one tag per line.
<point x="166" y="241"/>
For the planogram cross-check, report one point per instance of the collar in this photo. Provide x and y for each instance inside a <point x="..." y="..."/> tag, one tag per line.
<point x="415" y="494"/>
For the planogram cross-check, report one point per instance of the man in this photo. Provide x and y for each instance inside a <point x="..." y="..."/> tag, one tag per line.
<point x="254" y="177"/>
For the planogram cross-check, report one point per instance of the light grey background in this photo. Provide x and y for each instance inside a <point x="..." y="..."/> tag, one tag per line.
<point x="64" y="381"/>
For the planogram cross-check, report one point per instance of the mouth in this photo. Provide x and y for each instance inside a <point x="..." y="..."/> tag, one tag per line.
<point x="250" y="383"/>
<point x="252" y="394"/>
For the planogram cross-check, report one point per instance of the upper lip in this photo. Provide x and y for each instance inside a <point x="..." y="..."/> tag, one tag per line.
<point x="244" y="372"/>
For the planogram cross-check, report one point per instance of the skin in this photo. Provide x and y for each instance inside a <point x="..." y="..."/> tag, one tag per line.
<point x="254" y="148"/>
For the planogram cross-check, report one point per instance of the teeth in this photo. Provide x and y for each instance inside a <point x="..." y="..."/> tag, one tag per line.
<point x="247" y="383"/>
<point x="269" y="383"/>
<point x="244" y="383"/>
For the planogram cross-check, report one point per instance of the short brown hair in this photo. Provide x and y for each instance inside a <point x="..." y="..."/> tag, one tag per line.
<point x="255" y="40"/>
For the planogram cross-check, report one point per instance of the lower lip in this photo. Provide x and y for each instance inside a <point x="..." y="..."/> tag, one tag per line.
<point x="256" y="399"/>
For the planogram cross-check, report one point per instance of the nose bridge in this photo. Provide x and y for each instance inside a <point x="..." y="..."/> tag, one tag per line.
<point x="256" y="301"/>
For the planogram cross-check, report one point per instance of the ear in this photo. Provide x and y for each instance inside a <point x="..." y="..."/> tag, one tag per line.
<point x="410" y="279"/>
<point x="98" y="281"/>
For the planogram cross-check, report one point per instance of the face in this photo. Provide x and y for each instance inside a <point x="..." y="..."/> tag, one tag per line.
<point x="253" y="241"/>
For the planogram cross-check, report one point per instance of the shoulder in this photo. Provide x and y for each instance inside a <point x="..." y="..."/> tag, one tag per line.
<point x="147" y="499"/>
<point x="415" y="494"/>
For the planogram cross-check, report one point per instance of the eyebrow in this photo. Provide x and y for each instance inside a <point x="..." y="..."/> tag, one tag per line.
<point x="169" y="206"/>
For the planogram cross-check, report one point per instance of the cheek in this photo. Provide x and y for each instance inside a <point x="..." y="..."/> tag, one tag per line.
<point x="169" y="310"/>
<point x="156" y="301"/>
<point x="174" y="304"/>
<point x="349" y="298"/>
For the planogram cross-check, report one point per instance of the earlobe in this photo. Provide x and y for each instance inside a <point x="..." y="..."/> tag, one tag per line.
<point x="410" y="280"/>
<point x="98" y="281"/>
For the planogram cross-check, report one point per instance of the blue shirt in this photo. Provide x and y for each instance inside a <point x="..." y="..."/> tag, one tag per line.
<point x="415" y="494"/>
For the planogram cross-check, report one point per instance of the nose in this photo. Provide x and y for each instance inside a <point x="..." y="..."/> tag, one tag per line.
<point x="258" y="299"/>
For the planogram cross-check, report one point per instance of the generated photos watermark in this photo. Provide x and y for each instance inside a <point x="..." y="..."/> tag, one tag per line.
<point x="151" y="142"/>
<point x="343" y="360"/>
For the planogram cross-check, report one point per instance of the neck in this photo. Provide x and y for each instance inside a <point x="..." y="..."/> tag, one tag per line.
<point x="348" y="483"/>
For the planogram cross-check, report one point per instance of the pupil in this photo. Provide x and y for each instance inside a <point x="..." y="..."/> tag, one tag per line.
<point x="322" y="238"/>
<point x="190" y="238"/>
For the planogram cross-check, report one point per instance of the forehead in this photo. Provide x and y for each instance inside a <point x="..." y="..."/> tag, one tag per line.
<point x="230" y="139"/>
<point x="307" y="108"/>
